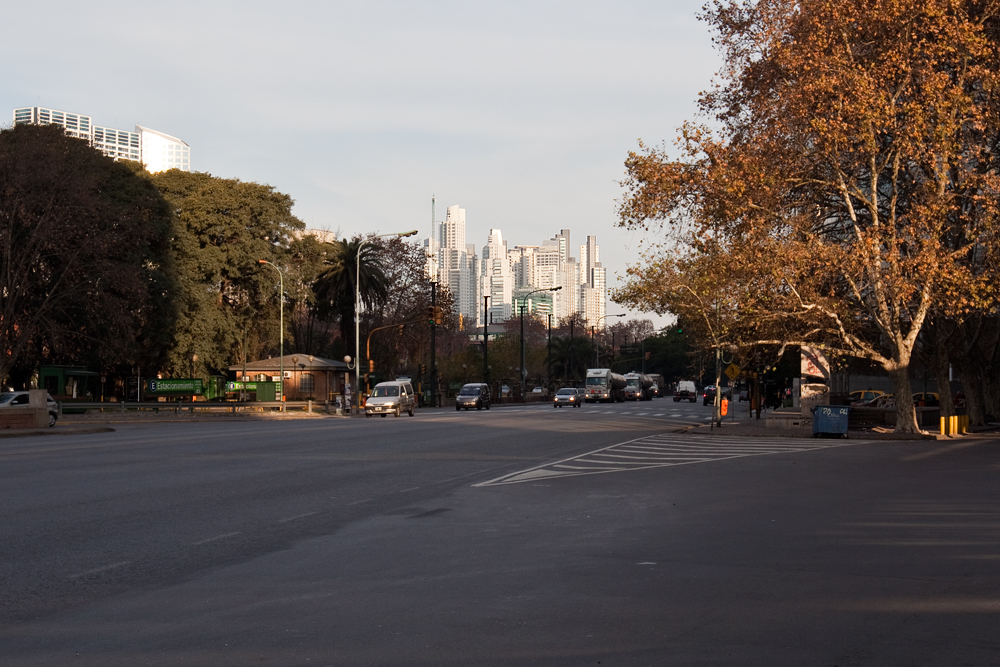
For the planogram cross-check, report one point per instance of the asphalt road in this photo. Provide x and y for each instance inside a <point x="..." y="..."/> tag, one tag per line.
<point x="515" y="536"/>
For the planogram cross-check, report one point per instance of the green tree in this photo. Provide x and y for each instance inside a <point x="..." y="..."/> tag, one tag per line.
<point x="228" y="303"/>
<point x="85" y="262"/>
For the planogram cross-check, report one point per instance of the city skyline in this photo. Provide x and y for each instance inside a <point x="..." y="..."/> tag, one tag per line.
<point x="494" y="286"/>
<point x="360" y="112"/>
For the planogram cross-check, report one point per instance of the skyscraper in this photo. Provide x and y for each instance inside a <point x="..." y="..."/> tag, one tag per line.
<point x="458" y="266"/>
<point x="497" y="278"/>
<point x="593" y="284"/>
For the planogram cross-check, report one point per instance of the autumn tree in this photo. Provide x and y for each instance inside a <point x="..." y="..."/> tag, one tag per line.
<point x="85" y="262"/>
<point x="843" y="185"/>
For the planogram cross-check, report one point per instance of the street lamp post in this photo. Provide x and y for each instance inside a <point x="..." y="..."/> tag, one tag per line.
<point x="524" y="302"/>
<point x="597" y="352"/>
<point x="357" y="307"/>
<point x="281" y="332"/>
<point x="548" y="376"/>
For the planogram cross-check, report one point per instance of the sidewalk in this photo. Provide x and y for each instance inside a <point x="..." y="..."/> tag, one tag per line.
<point x="740" y="422"/>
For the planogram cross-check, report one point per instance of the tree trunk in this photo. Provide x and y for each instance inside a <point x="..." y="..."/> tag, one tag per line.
<point x="991" y="395"/>
<point x="906" y="416"/>
<point x="941" y="368"/>
<point x="974" y="394"/>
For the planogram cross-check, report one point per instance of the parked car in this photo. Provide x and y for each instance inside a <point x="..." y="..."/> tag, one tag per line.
<point x="473" y="395"/>
<point x="880" y="401"/>
<point x="863" y="395"/>
<point x="567" y="396"/>
<point x="391" y="397"/>
<point x="744" y="395"/>
<point x="19" y="399"/>
<point x="926" y="399"/>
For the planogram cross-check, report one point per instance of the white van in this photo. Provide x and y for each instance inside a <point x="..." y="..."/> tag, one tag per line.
<point x="396" y="397"/>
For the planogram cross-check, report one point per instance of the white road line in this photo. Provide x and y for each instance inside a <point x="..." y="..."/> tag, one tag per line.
<point x="98" y="570"/>
<point x="358" y="502"/>
<point x="297" y="516"/>
<point x="661" y="451"/>
<point x="214" y="539"/>
<point x="408" y="490"/>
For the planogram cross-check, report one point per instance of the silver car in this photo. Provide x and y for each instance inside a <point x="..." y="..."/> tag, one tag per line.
<point x="567" y="396"/>
<point x="19" y="399"/>
<point x="394" y="397"/>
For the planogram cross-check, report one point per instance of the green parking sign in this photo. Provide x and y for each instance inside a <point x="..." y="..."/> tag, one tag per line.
<point x="175" y="387"/>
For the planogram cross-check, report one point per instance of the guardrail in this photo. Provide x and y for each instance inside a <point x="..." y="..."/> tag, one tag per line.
<point x="200" y="406"/>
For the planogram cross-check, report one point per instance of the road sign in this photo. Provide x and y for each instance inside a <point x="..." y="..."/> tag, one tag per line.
<point x="175" y="387"/>
<point x="732" y="371"/>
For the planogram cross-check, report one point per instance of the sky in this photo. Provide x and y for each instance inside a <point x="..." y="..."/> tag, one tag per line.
<point x="522" y="113"/>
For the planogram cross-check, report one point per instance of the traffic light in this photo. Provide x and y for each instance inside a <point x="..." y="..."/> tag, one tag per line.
<point x="371" y="365"/>
<point x="437" y="314"/>
<point x="648" y="355"/>
<point x="422" y="369"/>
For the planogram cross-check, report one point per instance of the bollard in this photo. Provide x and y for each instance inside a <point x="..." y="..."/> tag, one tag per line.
<point x="944" y="426"/>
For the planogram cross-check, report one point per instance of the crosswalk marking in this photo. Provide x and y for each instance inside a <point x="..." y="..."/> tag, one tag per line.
<point x="669" y="449"/>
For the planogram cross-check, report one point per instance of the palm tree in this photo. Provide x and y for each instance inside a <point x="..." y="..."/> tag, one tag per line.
<point x="335" y="287"/>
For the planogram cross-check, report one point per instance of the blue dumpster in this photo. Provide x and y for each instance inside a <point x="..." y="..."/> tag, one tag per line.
<point x="830" y="420"/>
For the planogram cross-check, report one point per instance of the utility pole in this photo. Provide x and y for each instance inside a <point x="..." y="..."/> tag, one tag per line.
<point x="434" y="369"/>
<point x="486" y="338"/>
<point x="548" y="375"/>
<point x="571" y="369"/>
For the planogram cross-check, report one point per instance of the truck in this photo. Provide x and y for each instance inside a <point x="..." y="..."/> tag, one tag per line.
<point x="658" y="387"/>
<point x="638" y="387"/>
<point x="604" y="385"/>
<point x="685" y="390"/>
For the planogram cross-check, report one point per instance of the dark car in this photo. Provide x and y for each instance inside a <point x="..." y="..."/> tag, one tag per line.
<point x="20" y="399"/>
<point x="567" y="396"/>
<point x="708" y="395"/>
<point x="474" y="395"/>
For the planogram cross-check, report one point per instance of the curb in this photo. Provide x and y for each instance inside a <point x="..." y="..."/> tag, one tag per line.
<point x="55" y="430"/>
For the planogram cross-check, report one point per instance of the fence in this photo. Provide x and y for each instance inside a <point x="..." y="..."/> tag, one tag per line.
<point x="192" y="406"/>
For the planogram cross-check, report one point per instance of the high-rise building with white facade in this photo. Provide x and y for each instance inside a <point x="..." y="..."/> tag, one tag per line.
<point x="161" y="152"/>
<point x="593" y="284"/>
<point x="458" y="267"/>
<point x="497" y="279"/>
<point x="155" y="150"/>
